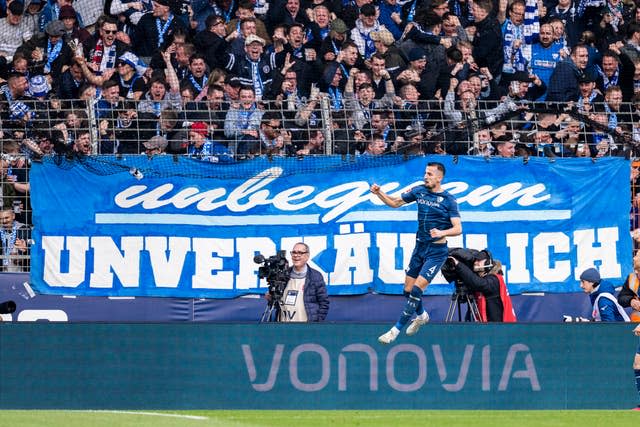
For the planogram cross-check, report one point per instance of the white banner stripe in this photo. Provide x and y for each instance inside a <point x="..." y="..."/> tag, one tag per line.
<point x="205" y="220"/>
<point x="496" y="216"/>
<point x="356" y="216"/>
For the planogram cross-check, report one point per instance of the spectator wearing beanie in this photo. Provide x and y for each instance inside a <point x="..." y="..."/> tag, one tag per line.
<point x="602" y="296"/>
<point x="72" y="30"/>
<point x="51" y="12"/>
<point x="203" y="148"/>
<point x="332" y="45"/>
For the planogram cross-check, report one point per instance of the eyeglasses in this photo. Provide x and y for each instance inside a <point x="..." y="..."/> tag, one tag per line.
<point x="273" y="127"/>
<point x="110" y="31"/>
<point x="298" y="253"/>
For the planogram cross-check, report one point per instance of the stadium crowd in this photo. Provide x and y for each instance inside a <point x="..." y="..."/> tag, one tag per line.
<point x="228" y="79"/>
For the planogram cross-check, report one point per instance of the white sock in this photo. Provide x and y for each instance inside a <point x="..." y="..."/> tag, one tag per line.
<point x="423" y="316"/>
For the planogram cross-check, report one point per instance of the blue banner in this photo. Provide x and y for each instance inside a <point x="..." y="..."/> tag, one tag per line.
<point x="136" y="226"/>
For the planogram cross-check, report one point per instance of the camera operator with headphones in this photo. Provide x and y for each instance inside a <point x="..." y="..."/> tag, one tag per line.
<point x="487" y="283"/>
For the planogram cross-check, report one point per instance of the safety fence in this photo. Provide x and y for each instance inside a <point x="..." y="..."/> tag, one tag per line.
<point x="226" y="131"/>
<point x="231" y="133"/>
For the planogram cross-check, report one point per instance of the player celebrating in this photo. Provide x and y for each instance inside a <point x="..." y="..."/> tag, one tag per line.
<point x="438" y="217"/>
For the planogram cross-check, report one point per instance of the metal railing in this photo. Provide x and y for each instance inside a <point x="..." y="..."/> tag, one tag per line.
<point x="232" y="130"/>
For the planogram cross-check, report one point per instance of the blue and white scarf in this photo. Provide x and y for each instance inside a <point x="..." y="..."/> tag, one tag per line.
<point x="584" y="4"/>
<point x="162" y="29"/>
<point x="608" y="82"/>
<point x="514" y="59"/>
<point x="335" y="95"/>
<point x="52" y="54"/>
<point x="8" y="242"/>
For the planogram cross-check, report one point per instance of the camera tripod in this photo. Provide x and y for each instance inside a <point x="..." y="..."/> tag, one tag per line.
<point x="270" y="311"/>
<point x="460" y="296"/>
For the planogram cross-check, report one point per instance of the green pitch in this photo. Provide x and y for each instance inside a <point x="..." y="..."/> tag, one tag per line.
<point x="302" y="418"/>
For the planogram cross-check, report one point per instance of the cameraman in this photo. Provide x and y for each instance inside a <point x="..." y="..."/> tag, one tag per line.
<point x="486" y="281"/>
<point x="305" y="298"/>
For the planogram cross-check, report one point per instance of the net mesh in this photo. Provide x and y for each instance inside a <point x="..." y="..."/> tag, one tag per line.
<point x="182" y="166"/>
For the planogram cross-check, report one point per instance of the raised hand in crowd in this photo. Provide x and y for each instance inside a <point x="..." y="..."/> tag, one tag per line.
<point x="20" y="246"/>
<point x="471" y="31"/>
<point x="288" y="63"/>
<point x="385" y="74"/>
<point x="615" y="47"/>
<point x="310" y="15"/>
<point x="233" y="35"/>
<point x="37" y="54"/>
<point x="286" y="138"/>
<point x="456" y="68"/>
<point x="315" y="94"/>
<point x="410" y="76"/>
<point x="472" y="64"/>
<point x="408" y="28"/>
<point x="123" y="37"/>
<point x="485" y="72"/>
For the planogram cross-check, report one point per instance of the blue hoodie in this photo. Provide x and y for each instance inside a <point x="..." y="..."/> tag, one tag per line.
<point x="608" y="309"/>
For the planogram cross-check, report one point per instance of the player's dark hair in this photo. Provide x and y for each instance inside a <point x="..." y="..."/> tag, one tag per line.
<point x="438" y="166"/>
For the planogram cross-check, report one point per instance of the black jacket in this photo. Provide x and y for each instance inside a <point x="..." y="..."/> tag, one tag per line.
<point x="145" y="42"/>
<point x="489" y="286"/>
<point x="487" y="45"/>
<point x="214" y="48"/>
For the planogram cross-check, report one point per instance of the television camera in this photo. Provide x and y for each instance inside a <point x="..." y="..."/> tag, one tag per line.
<point x="462" y="294"/>
<point x="275" y="269"/>
<point x="7" y="307"/>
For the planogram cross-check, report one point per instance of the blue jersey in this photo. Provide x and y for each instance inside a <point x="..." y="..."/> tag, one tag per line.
<point x="544" y="60"/>
<point x="435" y="210"/>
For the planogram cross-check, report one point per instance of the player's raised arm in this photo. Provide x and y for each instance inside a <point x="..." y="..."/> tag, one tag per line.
<point x="394" y="202"/>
